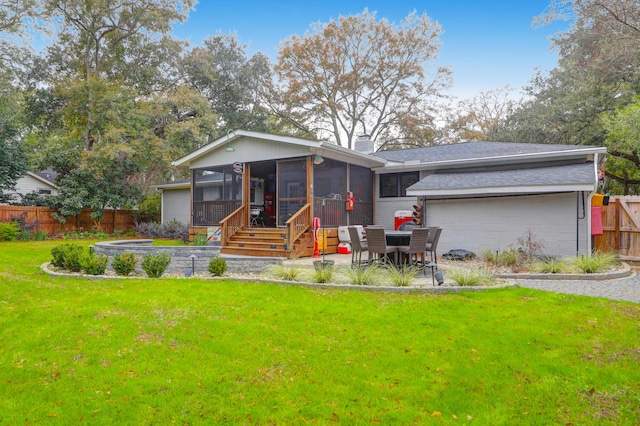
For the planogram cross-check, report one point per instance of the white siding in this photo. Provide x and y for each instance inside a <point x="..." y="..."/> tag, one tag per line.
<point x="28" y="184"/>
<point x="498" y="223"/>
<point x="175" y="205"/>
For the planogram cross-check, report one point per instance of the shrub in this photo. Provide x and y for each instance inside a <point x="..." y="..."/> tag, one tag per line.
<point x="173" y="230"/>
<point x="40" y="235"/>
<point x="62" y="252"/>
<point x="124" y="263"/>
<point x="363" y="274"/>
<point x="94" y="264"/>
<point x="155" y="264"/>
<point x="217" y="266"/>
<point x="73" y="259"/>
<point x="9" y="231"/>
<point x="401" y="276"/>
<point x="489" y="255"/>
<point x="597" y="262"/>
<point x="25" y="235"/>
<point x="285" y="271"/>
<point x="149" y="208"/>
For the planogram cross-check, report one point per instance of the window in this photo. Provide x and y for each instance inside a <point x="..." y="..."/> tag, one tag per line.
<point x="396" y="184"/>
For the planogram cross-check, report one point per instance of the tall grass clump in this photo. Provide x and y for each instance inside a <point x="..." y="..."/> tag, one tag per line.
<point x="471" y="277"/>
<point x="323" y="274"/>
<point x="200" y="240"/>
<point x="124" y="263"/>
<point x="363" y="274"/>
<point x="285" y="271"/>
<point x="596" y="262"/>
<point x="155" y="264"/>
<point x="551" y="265"/>
<point x="401" y="276"/>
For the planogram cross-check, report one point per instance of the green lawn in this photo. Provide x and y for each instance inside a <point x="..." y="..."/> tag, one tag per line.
<point x="190" y="351"/>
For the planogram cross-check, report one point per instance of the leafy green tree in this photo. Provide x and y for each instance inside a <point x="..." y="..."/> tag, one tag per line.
<point x="12" y="157"/>
<point x="623" y="148"/>
<point x="231" y="82"/>
<point x="361" y="75"/>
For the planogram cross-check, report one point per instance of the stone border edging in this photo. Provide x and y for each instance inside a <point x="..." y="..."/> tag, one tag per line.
<point x="447" y="289"/>
<point x="624" y="273"/>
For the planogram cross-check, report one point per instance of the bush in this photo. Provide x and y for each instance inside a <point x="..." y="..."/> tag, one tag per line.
<point x="155" y="264"/>
<point x="149" y="208"/>
<point x="217" y="266"/>
<point x="67" y="256"/>
<point x="124" y="263"/>
<point x="173" y="230"/>
<point x="25" y="235"/>
<point x="94" y="264"/>
<point x="9" y="231"/>
<point x="40" y="235"/>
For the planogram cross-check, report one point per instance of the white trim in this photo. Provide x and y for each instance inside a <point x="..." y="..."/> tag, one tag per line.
<point x="43" y="180"/>
<point x="502" y="190"/>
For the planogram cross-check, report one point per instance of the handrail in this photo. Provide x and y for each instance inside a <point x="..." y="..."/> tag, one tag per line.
<point x="298" y="224"/>
<point x="232" y="224"/>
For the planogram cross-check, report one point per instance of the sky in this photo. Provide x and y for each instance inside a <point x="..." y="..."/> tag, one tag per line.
<point x="488" y="44"/>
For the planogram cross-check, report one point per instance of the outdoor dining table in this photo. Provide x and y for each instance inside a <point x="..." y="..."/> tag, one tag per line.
<point x="397" y="238"/>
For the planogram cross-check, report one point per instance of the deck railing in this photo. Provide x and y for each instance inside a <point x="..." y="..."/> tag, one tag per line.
<point x="232" y="224"/>
<point x="298" y="224"/>
<point x="209" y="213"/>
<point x="335" y="213"/>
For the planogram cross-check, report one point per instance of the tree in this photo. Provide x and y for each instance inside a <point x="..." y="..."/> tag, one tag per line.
<point x="623" y="147"/>
<point x="231" y="82"/>
<point x="481" y="115"/>
<point x="12" y="157"/>
<point x="358" y="75"/>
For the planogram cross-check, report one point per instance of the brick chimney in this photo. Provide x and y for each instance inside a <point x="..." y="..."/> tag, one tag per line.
<point x="364" y="145"/>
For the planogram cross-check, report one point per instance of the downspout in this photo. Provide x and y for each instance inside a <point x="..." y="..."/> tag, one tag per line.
<point x="591" y="194"/>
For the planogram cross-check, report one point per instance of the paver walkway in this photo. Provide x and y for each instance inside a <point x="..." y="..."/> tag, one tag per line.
<point x="627" y="289"/>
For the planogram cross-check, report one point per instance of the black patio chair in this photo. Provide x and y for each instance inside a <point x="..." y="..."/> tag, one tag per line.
<point x="357" y="246"/>
<point x="417" y="247"/>
<point x="377" y="242"/>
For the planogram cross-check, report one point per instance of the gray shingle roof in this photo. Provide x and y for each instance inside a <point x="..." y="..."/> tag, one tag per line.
<point x="572" y="174"/>
<point x="469" y="150"/>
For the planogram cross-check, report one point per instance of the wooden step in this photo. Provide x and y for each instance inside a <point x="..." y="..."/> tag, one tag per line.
<point x="252" y="251"/>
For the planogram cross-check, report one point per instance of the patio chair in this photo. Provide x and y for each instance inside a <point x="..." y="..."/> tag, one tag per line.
<point x="432" y="243"/>
<point x="417" y="246"/>
<point x="377" y="242"/>
<point x="357" y="246"/>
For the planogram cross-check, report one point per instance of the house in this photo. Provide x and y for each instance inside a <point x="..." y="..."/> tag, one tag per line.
<point x="40" y="183"/>
<point x="483" y="194"/>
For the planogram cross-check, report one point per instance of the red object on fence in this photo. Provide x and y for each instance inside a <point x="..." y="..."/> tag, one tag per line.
<point x="596" y="221"/>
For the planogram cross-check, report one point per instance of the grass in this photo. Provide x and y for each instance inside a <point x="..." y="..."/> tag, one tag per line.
<point x="471" y="277"/>
<point x="190" y="351"/>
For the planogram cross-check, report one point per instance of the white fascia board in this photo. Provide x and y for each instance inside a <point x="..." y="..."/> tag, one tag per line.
<point x="495" y="160"/>
<point x="171" y="185"/>
<point x="500" y="190"/>
<point x="337" y="152"/>
<point x="43" y="180"/>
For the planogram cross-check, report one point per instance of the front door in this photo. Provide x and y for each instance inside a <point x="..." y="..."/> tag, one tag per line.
<point x="292" y="188"/>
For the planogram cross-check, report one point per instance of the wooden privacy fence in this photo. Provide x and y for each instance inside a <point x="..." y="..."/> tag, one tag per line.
<point x="621" y="228"/>
<point x="121" y="220"/>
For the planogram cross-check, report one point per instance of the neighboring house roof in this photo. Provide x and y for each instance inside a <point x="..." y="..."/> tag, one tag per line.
<point x="554" y="178"/>
<point x="32" y="182"/>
